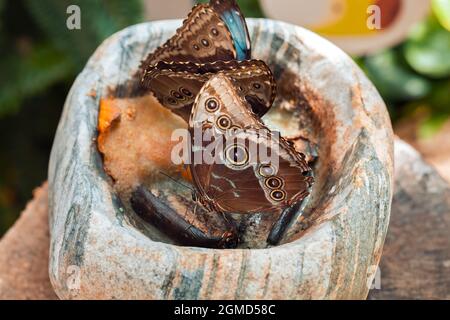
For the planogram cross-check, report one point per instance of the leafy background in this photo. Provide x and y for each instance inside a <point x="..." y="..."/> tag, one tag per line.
<point x="40" y="58"/>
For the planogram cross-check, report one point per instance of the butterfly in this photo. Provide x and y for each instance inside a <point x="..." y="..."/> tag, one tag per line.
<point x="238" y="179"/>
<point x="176" y="85"/>
<point x="213" y="38"/>
<point x="214" y="31"/>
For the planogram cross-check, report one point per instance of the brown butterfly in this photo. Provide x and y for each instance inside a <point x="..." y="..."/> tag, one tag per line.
<point x="239" y="180"/>
<point x="176" y="85"/>
<point x="212" y="32"/>
<point x="214" y="37"/>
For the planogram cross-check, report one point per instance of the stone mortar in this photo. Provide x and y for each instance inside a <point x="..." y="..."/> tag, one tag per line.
<point x="331" y="252"/>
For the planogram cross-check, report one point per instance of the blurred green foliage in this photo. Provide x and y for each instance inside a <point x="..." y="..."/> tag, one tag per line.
<point x="441" y="9"/>
<point x="40" y="58"/>
<point x="416" y="73"/>
<point x="38" y="50"/>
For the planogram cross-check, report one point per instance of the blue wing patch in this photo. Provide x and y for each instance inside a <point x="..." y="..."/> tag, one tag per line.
<point x="232" y="16"/>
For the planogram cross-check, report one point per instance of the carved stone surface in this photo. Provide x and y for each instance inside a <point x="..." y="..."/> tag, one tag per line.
<point x="330" y="252"/>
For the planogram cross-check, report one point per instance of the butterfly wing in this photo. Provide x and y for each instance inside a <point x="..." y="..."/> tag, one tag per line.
<point x="269" y="183"/>
<point x="216" y="109"/>
<point x="234" y="19"/>
<point x="220" y="99"/>
<point x="206" y="37"/>
<point x="175" y="89"/>
<point x="177" y="84"/>
<point x="240" y="178"/>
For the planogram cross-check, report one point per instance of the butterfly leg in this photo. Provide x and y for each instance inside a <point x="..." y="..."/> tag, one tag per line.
<point x="232" y="225"/>
<point x="233" y="230"/>
<point x="280" y="226"/>
<point x="167" y="220"/>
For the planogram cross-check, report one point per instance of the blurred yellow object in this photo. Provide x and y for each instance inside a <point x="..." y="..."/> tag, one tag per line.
<point x="357" y="26"/>
<point x="347" y="18"/>
<point x="441" y="9"/>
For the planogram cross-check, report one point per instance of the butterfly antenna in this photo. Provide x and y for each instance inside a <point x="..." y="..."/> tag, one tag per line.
<point x="176" y="181"/>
